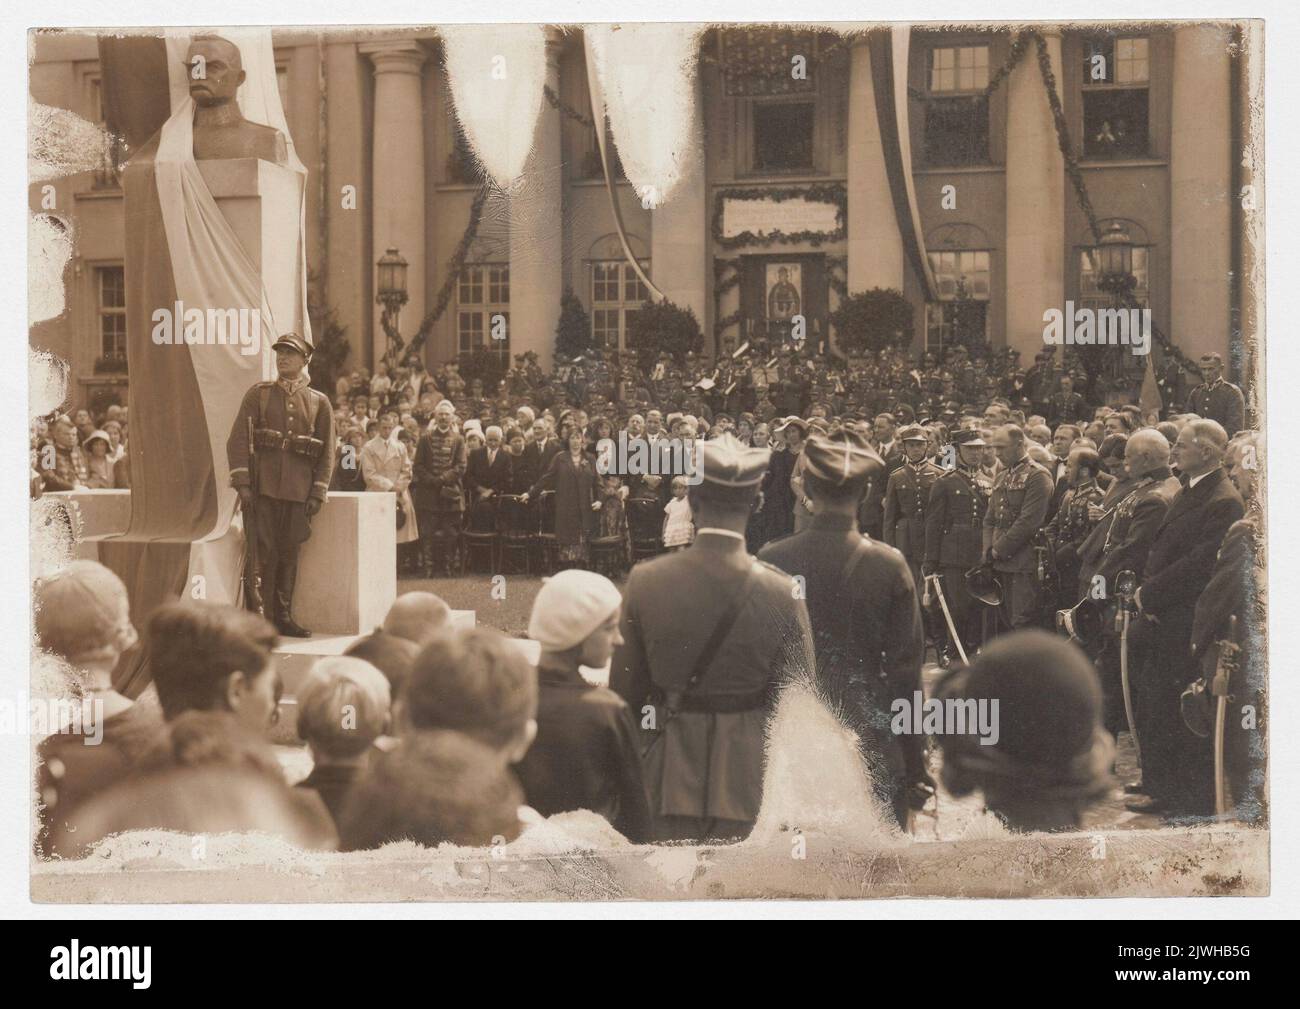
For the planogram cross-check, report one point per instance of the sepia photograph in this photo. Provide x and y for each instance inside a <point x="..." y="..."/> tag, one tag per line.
<point x="647" y="461"/>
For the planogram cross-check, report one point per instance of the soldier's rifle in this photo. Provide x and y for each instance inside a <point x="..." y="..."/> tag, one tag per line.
<point x="252" y="562"/>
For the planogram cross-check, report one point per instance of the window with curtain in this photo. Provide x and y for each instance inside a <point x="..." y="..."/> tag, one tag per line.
<point x="961" y="314"/>
<point x="956" y="111"/>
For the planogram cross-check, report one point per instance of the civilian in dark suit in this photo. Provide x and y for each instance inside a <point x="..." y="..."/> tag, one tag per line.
<point x="487" y="473"/>
<point x="1177" y="772"/>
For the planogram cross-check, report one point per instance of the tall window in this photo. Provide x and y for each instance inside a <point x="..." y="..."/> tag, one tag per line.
<point x="956" y="111"/>
<point x="1116" y="76"/>
<point x="783" y="135"/>
<point x="616" y="295"/>
<point x="961" y="313"/>
<point x="483" y="310"/>
<point x="110" y="296"/>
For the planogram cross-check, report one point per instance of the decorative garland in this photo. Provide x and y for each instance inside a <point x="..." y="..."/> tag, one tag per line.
<point x="835" y="193"/>
<point x="454" y="267"/>
<point x="723" y="283"/>
<point x="564" y="108"/>
<point x="1075" y="174"/>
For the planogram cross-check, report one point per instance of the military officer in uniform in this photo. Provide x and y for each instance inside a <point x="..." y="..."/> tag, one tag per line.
<point x="708" y="634"/>
<point x="440" y="463"/>
<point x="907" y="495"/>
<point x="954" y="532"/>
<point x="1017" y="509"/>
<point x="866" y="621"/>
<point x="281" y="456"/>
<point x="1073" y="521"/>
<point x="1066" y="406"/>
<point x="1215" y="399"/>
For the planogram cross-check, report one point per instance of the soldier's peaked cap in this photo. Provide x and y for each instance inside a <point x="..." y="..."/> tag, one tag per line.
<point x="730" y="471"/>
<point x="913" y="432"/>
<point x="294" y="342"/>
<point x="839" y="458"/>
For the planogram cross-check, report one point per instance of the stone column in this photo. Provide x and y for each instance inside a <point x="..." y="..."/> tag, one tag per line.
<point x="1035" y="202"/>
<point x="397" y="176"/>
<point x="875" y="246"/>
<point x="679" y="239"/>
<point x="536" y="237"/>
<point x="1199" y="179"/>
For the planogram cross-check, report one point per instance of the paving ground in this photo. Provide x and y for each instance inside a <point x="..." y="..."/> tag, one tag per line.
<point x="505" y="604"/>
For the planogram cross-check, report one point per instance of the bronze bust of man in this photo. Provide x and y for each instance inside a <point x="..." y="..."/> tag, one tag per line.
<point x="216" y="71"/>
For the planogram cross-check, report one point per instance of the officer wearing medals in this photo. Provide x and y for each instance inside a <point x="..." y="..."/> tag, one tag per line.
<point x="906" y="497"/>
<point x="709" y="633"/>
<point x="954" y="532"/>
<point x="1073" y="521"/>
<point x="1017" y="509"/>
<point x="865" y="618"/>
<point x="281" y="456"/>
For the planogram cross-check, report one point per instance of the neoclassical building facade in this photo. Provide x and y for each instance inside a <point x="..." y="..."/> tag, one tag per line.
<point x="940" y="175"/>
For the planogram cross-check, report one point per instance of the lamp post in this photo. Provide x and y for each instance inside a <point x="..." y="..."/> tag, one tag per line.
<point x="1115" y="264"/>
<point x="391" y="295"/>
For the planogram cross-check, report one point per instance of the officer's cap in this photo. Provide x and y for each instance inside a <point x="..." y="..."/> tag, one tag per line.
<point x="1207" y="360"/>
<point x="730" y="471"/>
<point x="975" y="439"/>
<point x="294" y="342"/>
<point x="842" y="458"/>
<point x="913" y="432"/>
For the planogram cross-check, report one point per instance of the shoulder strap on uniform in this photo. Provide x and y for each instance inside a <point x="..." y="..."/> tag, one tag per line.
<point x="722" y="629"/>
<point x="313" y="408"/>
<point x="263" y="397"/>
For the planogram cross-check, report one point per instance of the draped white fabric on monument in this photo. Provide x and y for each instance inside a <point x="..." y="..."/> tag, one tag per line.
<point x="496" y="74"/>
<point x="211" y="267"/>
<point x="647" y="75"/>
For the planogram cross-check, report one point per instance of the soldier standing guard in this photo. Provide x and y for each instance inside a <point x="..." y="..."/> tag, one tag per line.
<point x="281" y="455"/>
<point x="1017" y="510"/>
<point x="954" y="524"/>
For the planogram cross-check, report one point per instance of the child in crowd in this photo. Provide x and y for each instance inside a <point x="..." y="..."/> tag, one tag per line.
<point x="343" y="708"/>
<point x="466" y="714"/>
<point x="585" y="755"/>
<point x="679" y="524"/>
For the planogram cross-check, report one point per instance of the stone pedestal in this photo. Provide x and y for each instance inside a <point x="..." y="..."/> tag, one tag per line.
<point x="347" y="572"/>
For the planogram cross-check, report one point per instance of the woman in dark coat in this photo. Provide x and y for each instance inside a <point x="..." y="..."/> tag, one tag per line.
<point x="572" y="475"/>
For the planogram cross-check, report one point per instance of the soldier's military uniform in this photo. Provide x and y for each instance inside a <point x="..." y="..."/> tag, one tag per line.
<point x="907" y="495"/>
<point x="865" y="619"/>
<point x="1066" y="408"/>
<point x="1068" y="529"/>
<point x="1221" y="401"/>
<point x="439" y="468"/>
<point x="288" y="464"/>
<point x="705" y="755"/>
<point x="1017" y="510"/>
<point x="954" y="534"/>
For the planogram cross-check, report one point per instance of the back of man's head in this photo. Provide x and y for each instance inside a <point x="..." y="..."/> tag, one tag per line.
<point x="417" y="616"/>
<point x="474" y="681"/>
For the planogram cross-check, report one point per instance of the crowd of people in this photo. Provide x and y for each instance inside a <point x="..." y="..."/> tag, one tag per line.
<point x="989" y="522"/>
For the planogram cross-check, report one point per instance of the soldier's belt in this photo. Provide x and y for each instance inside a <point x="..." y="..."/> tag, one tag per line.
<point x="268" y="440"/>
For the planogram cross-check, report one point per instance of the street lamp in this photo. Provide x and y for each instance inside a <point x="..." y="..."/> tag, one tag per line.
<point x="1115" y="264"/>
<point x="391" y="294"/>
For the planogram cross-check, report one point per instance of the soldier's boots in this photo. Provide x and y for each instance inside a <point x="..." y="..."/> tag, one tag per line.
<point x="286" y="576"/>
